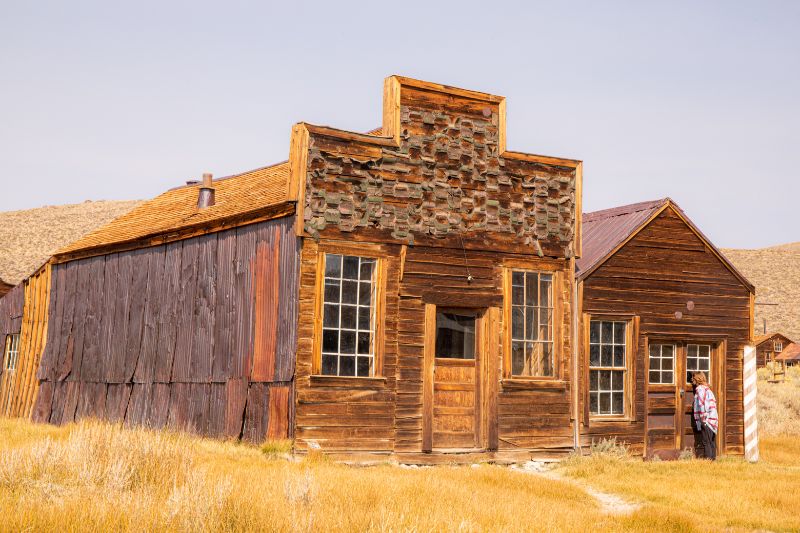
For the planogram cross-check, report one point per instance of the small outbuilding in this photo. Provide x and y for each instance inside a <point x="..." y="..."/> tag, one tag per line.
<point x="769" y="346"/>
<point x="658" y="302"/>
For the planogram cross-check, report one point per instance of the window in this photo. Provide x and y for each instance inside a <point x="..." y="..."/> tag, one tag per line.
<point x="607" y="367"/>
<point x="698" y="359"/>
<point x="12" y="351"/>
<point x="348" y="316"/>
<point x="662" y="363"/>
<point x="455" y="336"/>
<point x="778" y="346"/>
<point x="532" y="324"/>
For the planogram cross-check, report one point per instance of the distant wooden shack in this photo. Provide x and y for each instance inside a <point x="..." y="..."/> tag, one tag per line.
<point x="407" y="292"/>
<point x="790" y="356"/>
<point x="769" y="346"/>
<point x="658" y="301"/>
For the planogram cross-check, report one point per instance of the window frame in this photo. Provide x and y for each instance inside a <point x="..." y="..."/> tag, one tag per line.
<point x="631" y="354"/>
<point x="709" y="372"/>
<point x="379" y="312"/>
<point x="509" y="379"/>
<point x="778" y="346"/>
<point x="661" y="370"/>
<point x="12" y="340"/>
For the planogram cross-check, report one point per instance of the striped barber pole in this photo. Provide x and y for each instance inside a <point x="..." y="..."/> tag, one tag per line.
<point x="750" y="378"/>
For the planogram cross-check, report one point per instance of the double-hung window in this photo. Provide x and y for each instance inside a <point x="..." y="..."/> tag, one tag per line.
<point x="11" y="354"/>
<point x="778" y="346"/>
<point x="607" y="367"/>
<point x="532" y="352"/>
<point x="348" y="316"/>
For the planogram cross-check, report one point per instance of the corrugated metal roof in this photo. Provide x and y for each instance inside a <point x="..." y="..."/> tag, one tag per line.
<point x="604" y="231"/>
<point x="177" y="208"/>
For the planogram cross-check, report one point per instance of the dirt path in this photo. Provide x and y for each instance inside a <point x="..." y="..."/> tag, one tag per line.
<point x="609" y="503"/>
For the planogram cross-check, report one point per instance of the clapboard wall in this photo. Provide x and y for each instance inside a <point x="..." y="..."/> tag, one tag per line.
<point x="11" y="306"/>
<point x="196" y="335"/>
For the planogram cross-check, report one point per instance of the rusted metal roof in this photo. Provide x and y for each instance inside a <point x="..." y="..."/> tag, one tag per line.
<point x="604" y="232"/>
<point x="790" y="353"/>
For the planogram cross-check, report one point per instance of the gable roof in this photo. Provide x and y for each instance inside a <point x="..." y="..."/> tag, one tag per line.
<point x="606" y="231"/>
<point x="758" y="340"/>
<point x="790" y="353"/>
<point x="259" y="194"/>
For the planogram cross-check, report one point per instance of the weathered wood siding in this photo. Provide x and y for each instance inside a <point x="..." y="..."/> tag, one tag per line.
<point x="654" y="275"/>
<point x="441" y="185"/>
<point x="765" y="352"/>
<point x="196" y="334"/>
<point x="19" y="387"/>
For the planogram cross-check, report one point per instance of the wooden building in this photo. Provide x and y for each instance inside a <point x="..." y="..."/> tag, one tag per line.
<point x="790" y="356"/>
<point x="658" y="301"/>
<point x="5" y="287"/>
<point x="23" y="329"/>
<point x="407" y="292"/>
<point x="769" y="346"/>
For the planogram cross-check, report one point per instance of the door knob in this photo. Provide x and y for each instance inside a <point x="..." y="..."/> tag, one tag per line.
<point x="682" y="393"/>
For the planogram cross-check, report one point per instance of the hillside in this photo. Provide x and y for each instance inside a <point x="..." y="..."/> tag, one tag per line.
<point x="28" y="238"/>
<point x="775" y="272"/>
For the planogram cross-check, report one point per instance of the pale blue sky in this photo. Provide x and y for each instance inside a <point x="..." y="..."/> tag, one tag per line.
<point x="693" y="100"/>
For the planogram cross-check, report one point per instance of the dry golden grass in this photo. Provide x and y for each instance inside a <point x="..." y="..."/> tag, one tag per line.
<point x="776" y="274"/>
<point x="28" y="238"/>
<point x="779" y="403"/>
<point x="99" y="477"/>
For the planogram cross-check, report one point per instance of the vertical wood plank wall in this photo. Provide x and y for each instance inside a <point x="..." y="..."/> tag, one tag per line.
<point x="11" y="313"/>
<point x="653" y="276"/>
<point x="196" y="335"/>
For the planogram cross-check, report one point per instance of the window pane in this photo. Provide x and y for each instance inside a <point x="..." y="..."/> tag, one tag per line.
<point x="366" y="269"/>
<point x="455" y="336"/>
<point x="619" y="355"/>
<point x="349" y="292"/>
<point x="545" y="319"/>
<point x="329" y="365"/>
<point x="666" y="377"/>
<point x="517" y="293"/>
<point x="517" y="357"/>
<point x="654" y="361"/>
<point x="593" y="403"/>
<point x="350" y="267"/>
<point x="594" y="355"/>
<point x="517" y="322"/>
<point x="347" y="365"/>
<point x="666" y="363"/>
<point x="619" y="332"/>
<point x="364" y="344"/>
<point x="691" y="350"/>
<point x="655" y="377"/>
<point x="333" y="266"/>
<point x="362" y="366"/>
<point x="606" y="354"/>
<point x="332" y="291"/>
<point x="667" y="350"/>
<point x="365" y="293"/>
<point x="348" y="317"/>
<point x="531" y="323"/>
<point x="546" y="288"/>
<point x="617" y="405"/>
<point x="518" y="279"/>
<point x="347" y="342"/>
<point x="364" y="314"/>
<point x="605" y="402"/>
<point x="330" y="316"/>
<point x="531" y="289"/>
<point x="594" y="380"/>
<point x="330" y="340"/>
<point x="607" y="332"/>
<point x="605" y="380"/>
<point x="547" y="354"/>
<point x="594" y="331"/>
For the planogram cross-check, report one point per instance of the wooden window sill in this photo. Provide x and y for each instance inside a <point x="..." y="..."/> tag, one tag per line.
<point x="348" y="382"/>
<point x="533" y="384"/>
<point x="609" y="419"/>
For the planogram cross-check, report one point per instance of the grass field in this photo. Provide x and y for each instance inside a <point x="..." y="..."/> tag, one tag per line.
<point x="100" y="477"/>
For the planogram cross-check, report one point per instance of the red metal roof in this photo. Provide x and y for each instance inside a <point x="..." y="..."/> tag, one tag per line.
<point x="605" y="231"/>
<point x="790" y="353"/>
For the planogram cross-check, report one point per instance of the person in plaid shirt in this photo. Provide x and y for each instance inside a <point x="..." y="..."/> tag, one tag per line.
<point x="705" y="415"/>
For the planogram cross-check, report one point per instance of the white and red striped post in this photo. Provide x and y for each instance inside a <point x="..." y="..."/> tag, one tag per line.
<point x="750" y="382"/>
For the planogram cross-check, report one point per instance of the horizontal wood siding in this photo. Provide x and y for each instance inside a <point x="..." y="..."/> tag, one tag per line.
<point x="655" y="275"/>
<point x="185" y="334"/>
<point x="24" y="310"/>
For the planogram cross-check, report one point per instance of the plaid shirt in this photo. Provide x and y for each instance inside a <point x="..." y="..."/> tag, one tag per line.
<point x="705" y="408"/>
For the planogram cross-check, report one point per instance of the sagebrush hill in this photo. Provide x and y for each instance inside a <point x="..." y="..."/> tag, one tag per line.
<point x="775" y="271"/>
<point x="29" y="237"/>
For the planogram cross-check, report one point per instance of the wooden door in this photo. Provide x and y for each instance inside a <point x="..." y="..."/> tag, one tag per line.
<point x="456" y="384"/>
<point x="669" y="394"/>
<point x="695" y="357"/>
